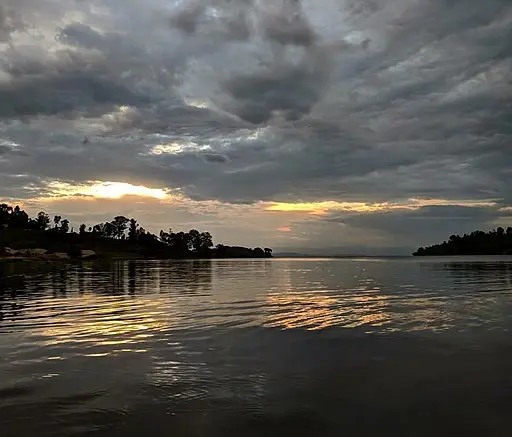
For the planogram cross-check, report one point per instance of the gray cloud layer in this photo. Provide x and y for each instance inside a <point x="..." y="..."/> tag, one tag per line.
<point x="349" y="100"/>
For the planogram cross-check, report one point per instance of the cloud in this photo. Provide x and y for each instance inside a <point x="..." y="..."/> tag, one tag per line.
<point x="188" y="18"/>
<point x="10" y="21"/>
<point x="251" y="101"/>
<point x="221" y="20"/>
<point x="290" y="92"/>
<point x="427" y="224"/>
<point x="215" y="158"/>
<point x="284" y="22"/>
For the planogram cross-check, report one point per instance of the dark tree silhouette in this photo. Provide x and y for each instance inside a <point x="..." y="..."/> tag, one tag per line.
<point x="132" y="230"/>
<point x="5" y="214"/>
<point x="259" y="252"/>
<point x="495" y="242"/>
<point x="206" y="242"/>
<point x="64" y="226"/>
<point x="109" y="230"/>
<point x="110" y="237"/>
<point x="120" y="222"/>
<point x="42" y="220"/>
<point x="19" y="218"/>
<point x="194" y="240"/>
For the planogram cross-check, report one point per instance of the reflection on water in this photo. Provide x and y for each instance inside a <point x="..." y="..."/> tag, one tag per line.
<point x="115" y="299"/>
<point x="263" y="347"/>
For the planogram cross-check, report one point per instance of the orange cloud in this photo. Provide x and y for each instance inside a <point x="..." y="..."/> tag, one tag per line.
<point x="284" y="229"/>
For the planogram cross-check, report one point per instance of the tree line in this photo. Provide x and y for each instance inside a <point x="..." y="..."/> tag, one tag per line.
<point x="495" y="242"/>
<point x="128" y="231"/>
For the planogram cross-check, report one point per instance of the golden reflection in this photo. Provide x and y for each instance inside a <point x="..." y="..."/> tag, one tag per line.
<point x="299" y="310"/>
<point x="119" y="322"/>
<point x="318" y="310"/>
<point x="325" y="304"/>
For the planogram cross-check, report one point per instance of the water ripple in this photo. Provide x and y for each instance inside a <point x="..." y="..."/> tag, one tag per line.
<point x="84" y="346"/>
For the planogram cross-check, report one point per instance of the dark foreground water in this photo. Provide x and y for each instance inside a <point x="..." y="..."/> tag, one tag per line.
<point x="384" y="347"/>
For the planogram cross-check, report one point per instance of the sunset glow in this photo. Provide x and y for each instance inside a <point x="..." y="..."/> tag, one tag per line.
<point x="322" y="208"/>
<point x="106" y="190"/>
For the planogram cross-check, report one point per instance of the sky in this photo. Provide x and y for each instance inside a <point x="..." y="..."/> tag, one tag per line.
<point x="328" y="126"/>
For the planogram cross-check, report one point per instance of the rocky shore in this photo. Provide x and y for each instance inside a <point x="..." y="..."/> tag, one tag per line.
<point x="44" y="255"/>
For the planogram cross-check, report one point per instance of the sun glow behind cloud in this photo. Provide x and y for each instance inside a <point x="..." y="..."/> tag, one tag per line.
<point x="105" y="190"/>
<point x="322" y="208"/>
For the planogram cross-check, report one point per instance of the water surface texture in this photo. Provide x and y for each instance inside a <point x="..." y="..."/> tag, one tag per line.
<point x="357" y="347"/>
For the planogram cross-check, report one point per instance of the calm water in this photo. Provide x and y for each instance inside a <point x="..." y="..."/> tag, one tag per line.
<point x="381" y="347"/>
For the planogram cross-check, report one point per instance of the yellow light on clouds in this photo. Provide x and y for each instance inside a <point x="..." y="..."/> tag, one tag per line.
<point x="321" y="208"/>
<point x="106" y="190"/>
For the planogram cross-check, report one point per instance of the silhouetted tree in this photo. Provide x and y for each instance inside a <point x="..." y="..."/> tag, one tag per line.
<point x="259" y="252"/>
<point x="165" y="237"/>
<point x="56" y="220"/>
<point x="5" y="214"/>
<point x="132" y="231"/>
<point x="268" y="252"/>
<point x="64" y="226"/>
<point x="19" y="218"/>
<point x="97" y="230"/>
<point x="180" y="243"/>
<point x="81" y="229"/>
<point x="42" y="220"/>
<point x="109" y="230"/>
<point x="494" y="242"/>
<point x="120" y="222"/>
<point x="206" y="242"/>
<point x="194" y="237"/>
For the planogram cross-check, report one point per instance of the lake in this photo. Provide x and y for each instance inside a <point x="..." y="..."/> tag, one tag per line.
<point x="301" y="347"/>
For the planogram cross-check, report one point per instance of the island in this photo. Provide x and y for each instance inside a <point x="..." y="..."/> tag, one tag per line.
<point x="23" y="237"/>
<point x="495" y="242"/>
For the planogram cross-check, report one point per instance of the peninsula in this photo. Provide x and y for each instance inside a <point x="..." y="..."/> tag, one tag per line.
<point x="122" y="238"/>
<point x="495" y="242"/>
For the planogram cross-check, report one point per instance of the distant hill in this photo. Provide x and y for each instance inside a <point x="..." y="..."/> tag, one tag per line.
<point x="292" y="255"/>
<point x="495" y="242"/>
<point x="342" y="252"/>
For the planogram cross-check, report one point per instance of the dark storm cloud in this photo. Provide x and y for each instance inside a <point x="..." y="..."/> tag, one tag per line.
<point x="189" y="17"/>
<point x="74" y="81"/>
<point x="230" y="21"/>
<point x="287" y="24"/>
<point x="177" y="120"/>
<point x="63" y="93"/>
<point x="282" y="22"/>
<point x="292" y="91"/>
<point x="215" y="158"/>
